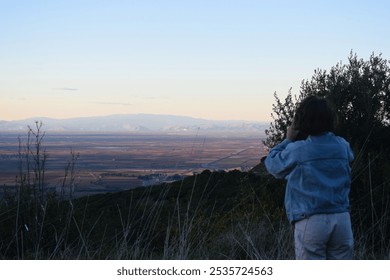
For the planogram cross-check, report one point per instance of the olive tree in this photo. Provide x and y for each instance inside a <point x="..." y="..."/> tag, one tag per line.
<point x="360" y="94"/>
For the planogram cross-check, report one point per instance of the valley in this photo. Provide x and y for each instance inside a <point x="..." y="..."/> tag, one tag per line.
<point x="108" y="162"/>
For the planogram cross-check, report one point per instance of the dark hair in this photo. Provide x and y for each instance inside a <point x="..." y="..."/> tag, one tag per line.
<point x="315" y="116"/>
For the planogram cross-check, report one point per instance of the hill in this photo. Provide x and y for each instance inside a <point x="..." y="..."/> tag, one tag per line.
<point x="191" y="219"/>
<point x="137" y="123"/>
<point x="213" y="215"/>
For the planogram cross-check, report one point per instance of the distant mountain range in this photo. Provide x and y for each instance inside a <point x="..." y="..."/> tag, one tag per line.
<point x="136" y="123"/>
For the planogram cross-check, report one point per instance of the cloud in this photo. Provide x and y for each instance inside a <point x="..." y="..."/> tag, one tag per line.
<point x="67" y="89"/>
<point x="114" y="103"/>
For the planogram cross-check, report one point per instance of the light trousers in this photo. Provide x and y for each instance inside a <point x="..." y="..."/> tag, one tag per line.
<point x="324" y="237"/>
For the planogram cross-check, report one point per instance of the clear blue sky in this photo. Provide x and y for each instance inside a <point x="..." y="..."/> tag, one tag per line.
<point x="204" y="58"/>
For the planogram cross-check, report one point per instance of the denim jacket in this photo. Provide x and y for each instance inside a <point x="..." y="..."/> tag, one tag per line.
<point x="318" y="174"/>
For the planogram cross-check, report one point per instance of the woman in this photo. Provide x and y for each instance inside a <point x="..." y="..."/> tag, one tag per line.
<point x="318" y="182"/>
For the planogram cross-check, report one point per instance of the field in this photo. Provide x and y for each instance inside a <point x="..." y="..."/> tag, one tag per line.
<point x="120" y="161"/>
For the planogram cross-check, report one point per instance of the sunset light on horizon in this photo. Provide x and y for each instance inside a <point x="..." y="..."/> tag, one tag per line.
<point x="218" y="60"/>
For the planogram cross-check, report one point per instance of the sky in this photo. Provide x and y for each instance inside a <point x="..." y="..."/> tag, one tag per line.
<point x="211" y="59"/>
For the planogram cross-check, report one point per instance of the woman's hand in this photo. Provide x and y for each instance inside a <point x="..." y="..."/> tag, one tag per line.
<point x="292" y="133"/>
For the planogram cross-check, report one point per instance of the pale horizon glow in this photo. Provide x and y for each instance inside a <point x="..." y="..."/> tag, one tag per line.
<point x="218" y="60"/>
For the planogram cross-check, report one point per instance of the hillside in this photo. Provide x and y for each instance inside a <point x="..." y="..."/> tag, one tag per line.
<point x="213" y="215"/>
<point x="198" y="211"/>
